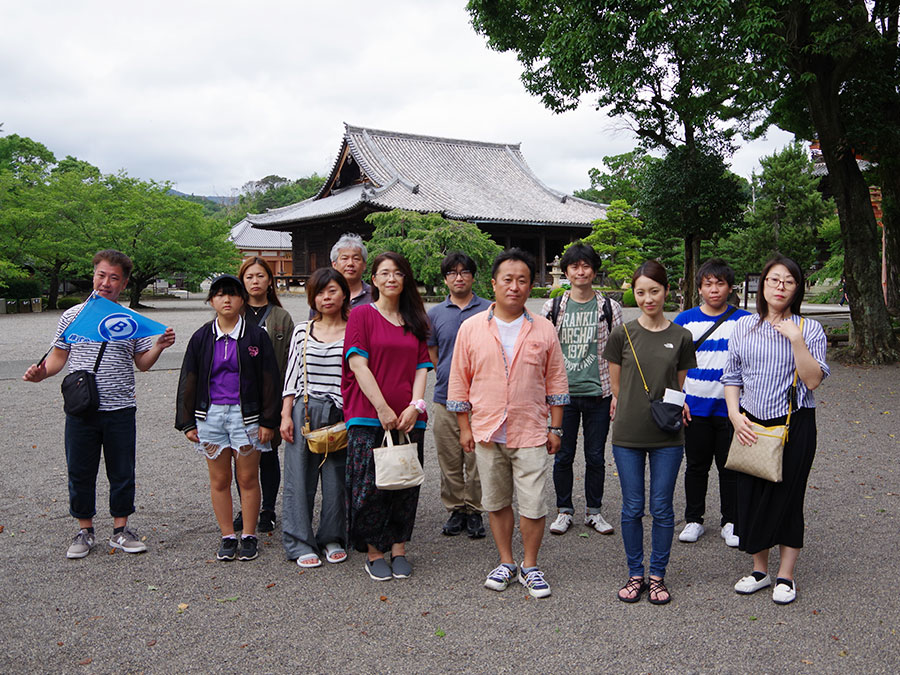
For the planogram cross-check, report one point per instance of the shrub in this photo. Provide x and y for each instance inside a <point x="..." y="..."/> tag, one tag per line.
<point x="67" y="302"/>
<point x="628" y="299"/>
<point x="540" y="292"/>
<point x="21" y="289"/>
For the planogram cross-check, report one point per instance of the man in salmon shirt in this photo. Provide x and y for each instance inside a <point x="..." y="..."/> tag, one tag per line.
<point x="508" y="373"/>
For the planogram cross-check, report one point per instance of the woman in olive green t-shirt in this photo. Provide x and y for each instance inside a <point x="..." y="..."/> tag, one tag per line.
<point x="665" y="352"/>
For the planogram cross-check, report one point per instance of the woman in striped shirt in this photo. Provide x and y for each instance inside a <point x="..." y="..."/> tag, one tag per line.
<point x="763" y="353"/>
<point x="315" y="357"/>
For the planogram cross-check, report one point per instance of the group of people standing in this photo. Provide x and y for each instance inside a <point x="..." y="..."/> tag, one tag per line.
<point x="511" y="389"/>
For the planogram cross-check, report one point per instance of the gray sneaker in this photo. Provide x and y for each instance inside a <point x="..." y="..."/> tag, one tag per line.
<point x="128" y="541"/>
<point x="81" y="545"/>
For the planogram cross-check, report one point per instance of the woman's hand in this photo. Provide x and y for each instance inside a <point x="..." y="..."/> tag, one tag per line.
<point x="387" y="417"/>
<point x="743" y="429"/>
<point x="266" y="434"/>
<point x="789" y="329"/>
<point x="287" y="429"/>
<point x="407" y="419"/>
<point x="191" y="435"/>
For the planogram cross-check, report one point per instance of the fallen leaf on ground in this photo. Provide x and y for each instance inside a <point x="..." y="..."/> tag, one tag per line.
<point x="584" y="534"/>
<point x="86" y="662"/>
<point x="231" y="599"/>
<point x="152" y="588"/>
<point x="182" y="606"/>
<point x="383" y="598"/>
<point x="151" y="643"/>
<point x="270" y="585"/>
<point x="439" y="633"/>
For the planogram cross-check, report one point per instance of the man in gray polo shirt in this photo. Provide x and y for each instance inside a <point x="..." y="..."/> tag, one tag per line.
<point x="112" y="426"/>
<point x="460" y="487"/>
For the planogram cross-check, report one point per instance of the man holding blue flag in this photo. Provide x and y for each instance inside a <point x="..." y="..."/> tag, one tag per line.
<point x="110" y="342"/>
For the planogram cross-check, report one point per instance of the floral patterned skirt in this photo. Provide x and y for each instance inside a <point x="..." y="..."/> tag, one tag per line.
<point x="380" y="518"/>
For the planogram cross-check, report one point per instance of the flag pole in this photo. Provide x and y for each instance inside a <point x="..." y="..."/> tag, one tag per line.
<point x="84" y="304"/>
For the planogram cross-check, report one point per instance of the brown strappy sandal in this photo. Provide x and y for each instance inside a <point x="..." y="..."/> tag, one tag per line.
<point x="635" y="585"/>
<point x="657" y="586"/>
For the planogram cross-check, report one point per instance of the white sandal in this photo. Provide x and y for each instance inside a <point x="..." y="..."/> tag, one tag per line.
<point x="309" y="561"/>
<point x="334" y="553"/>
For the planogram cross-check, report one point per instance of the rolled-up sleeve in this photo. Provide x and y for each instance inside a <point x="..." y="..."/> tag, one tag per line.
<point x="460" y="374"/>
<point x="555" y="375"/>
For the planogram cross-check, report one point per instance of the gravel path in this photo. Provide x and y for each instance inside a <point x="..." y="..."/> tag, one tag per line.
<point x="176" y="609"/>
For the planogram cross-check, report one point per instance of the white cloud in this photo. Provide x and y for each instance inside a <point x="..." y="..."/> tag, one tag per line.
<point x="210" y="95"/>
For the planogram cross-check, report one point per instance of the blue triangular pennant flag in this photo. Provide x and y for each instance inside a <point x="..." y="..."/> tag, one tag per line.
<point x="102" y="320"/>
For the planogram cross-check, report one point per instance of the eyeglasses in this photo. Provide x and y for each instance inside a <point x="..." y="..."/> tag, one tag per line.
<point x="464" y="274"/>
<point x="774" y="282"/>
<point x="396" y="274"/>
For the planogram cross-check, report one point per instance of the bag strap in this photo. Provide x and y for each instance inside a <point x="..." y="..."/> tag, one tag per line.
<point x="731" y="310"/>
<point x="787" y="422"/>
<point x="554" y="308"/>
<point x="100" y="356"/>
<point x="631" y="344"/>
<point x="305" y="374"/>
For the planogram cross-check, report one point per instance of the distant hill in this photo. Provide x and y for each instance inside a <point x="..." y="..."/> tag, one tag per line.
<point x="224" y="201"/>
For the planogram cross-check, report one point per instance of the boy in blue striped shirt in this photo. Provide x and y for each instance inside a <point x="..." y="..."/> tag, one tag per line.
<point x="708" y="435"/>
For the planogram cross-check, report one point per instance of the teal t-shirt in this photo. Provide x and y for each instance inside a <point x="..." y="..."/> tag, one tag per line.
<point x="578" y="338"/>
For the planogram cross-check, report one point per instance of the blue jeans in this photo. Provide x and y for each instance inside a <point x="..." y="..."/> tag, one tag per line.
<point x="593" y="412"/>
<point x="665" y="464"/>
<point x="115" y="432"/>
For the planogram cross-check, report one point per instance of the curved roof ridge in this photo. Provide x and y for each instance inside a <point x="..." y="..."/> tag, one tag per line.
<point x="387" y="164"/>
<point x="428" y="138"/>
<point x="519" y="161"/>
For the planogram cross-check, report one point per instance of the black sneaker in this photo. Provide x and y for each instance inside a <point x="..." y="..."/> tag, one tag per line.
<point x="475" y="526"/>
<point x="249" y="548"/>
<point x="266" y="521"/>
<point x="455" y="524"/>
<point x="228" y="549"/>
<point x="238" y="522"/>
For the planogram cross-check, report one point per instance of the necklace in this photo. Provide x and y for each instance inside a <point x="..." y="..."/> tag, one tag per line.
<point x="257" y="311"/>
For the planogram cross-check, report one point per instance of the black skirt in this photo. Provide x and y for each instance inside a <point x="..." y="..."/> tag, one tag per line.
<point x="771" y="514"/>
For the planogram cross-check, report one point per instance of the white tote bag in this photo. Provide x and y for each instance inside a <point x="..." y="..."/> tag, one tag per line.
<point x="397" y="466"/>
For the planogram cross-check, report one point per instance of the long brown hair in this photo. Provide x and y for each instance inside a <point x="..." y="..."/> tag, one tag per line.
<point x="762" y="305"/>
<point x="412" y="309"/>
<point x="271" y="295"/>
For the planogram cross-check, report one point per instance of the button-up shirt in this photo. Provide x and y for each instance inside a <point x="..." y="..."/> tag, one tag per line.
<point x="495" y="389"/>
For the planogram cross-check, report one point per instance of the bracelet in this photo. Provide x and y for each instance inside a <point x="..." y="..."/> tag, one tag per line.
<point x="418" y="405"/>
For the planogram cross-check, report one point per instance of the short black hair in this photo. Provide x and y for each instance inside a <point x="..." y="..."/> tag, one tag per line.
<point x="453" y="260"/>
<point x="514" y="253"/>
<point x="114" y="257"/>
<point x="227" y="284"/>
<point x="580" y="252"/>
<point x="716" y="268"/>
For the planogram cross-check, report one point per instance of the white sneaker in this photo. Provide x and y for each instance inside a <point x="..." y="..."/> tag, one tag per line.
<point x="783" y="594"/>
<point x="731" y="539"/>
<point x="562" y="523"/>
<point x="691" y="533"/>
<point x="748" y="584"/>
<point x="596" y="521"/>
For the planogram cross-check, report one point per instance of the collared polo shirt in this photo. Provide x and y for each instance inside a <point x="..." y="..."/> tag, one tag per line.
<point x="445" y="320"/>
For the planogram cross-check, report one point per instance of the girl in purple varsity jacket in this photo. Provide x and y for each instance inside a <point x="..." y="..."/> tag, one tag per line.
<point x="229" y="404"/>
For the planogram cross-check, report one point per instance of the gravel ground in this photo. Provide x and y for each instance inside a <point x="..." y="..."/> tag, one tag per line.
<point x="176" y="609"/>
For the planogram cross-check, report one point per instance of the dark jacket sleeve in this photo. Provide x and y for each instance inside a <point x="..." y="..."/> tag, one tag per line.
<point x="280" y="328"/>
<point x="270" y="385"/>
<point x="185" y="403"/>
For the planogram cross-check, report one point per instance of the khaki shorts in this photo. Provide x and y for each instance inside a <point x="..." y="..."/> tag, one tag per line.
<point x="501" y="468"/>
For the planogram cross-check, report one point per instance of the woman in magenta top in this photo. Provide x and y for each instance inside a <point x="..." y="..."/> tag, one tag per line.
<point x="383" y="384"/>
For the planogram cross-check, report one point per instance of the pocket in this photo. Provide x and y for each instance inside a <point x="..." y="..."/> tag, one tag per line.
<point x="534" y="353"/>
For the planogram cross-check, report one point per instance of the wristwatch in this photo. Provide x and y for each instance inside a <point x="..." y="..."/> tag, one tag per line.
<point x="556" y="430"/>
<point x="418" y="405"/>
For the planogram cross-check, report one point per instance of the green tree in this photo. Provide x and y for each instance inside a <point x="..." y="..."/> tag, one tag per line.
<point x="273" y="192"/>
<point x="807" y="61"/>
<point x="691" y="194"/>
<point x="165" y="236"/>
<point x="616" y="239"/>
<point x="622" y="178"/>
<point x="424" y="240"/>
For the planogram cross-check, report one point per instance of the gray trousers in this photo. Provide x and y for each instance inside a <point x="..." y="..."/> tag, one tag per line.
<point x="300" y="480"/>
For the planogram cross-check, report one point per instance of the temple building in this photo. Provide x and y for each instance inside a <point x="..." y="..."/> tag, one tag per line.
<point x="488" y="184"/>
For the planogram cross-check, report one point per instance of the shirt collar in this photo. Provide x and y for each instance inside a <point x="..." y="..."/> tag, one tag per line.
<point x="235" y="332"/>
<point x="525" y="310"/>
<point x="449" y="303"/>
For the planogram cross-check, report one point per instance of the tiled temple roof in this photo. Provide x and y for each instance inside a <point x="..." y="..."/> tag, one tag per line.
<point x="461" y="180"/>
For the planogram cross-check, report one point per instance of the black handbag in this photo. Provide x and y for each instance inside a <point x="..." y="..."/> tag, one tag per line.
<point x="79" y="389"/>
<point x="666" y="416"/>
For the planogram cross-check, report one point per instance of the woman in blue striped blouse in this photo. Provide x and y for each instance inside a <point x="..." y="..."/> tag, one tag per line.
<point x="763" y="353"/>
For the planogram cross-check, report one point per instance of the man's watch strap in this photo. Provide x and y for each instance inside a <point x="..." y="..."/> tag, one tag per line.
<point x="556" y="430"/>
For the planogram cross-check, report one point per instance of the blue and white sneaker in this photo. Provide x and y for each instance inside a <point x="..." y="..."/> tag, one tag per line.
<point x="533" y="580"/>
<point x="499" y="578"/>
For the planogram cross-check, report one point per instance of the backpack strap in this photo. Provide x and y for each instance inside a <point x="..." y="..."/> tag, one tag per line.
<point x="554" y="309"/>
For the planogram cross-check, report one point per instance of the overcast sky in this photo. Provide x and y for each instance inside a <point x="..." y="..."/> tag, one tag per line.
<point x="209" y="95"/>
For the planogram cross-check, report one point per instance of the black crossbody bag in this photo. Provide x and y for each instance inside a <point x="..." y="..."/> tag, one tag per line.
<point x="79" y="389"/>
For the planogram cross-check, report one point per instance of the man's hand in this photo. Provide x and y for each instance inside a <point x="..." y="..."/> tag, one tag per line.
<point x="466" y="440"/>
<point x="167" y="339"/>
<point x="553" y="443"/>
<point x="612" y="407"/>
<point x="686" y="414"/>
<point x="36" y="373"/>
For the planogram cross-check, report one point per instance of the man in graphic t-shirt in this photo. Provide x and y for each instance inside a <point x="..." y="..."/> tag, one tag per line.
<point x="508" y="372"/>
<point x="112" y="426"/>
<point x="583" y="318"/>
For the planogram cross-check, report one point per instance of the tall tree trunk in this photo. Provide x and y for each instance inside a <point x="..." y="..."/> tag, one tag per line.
<point x="691" y="260"/>
<point x="53" y="293"/>
<point x="890" y="195"/>
<point x="873" y="339"/>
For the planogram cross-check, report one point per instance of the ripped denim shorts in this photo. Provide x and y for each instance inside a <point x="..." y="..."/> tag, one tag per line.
<point x="224" y="428"/>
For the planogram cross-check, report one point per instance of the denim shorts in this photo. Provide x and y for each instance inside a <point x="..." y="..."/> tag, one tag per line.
<point x="224" y="428"/>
